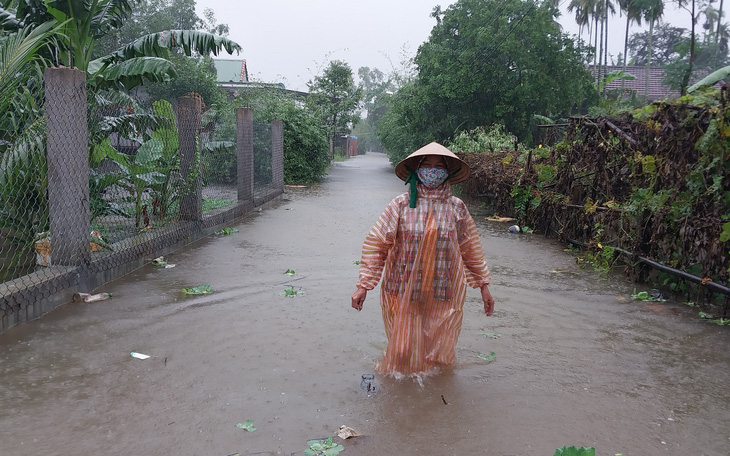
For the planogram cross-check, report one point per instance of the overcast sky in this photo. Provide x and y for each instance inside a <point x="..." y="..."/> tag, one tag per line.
<point x="289" y="40"/>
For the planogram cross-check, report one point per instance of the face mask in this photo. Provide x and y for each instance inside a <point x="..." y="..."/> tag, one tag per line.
<point x="432" y="177"/>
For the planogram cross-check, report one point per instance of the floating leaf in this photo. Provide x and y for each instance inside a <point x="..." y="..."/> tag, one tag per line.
<point x="323" y="448"/>
<point x="247" y="425"/>
<point x="202" y="289"/>
<point x="159" y="261"/>
<point x="491" y="357"/>
<point x="573" y="451"/>
<point x="226" y="231"/>
<point x="290" y="292"/>
<point x="289" y="272"/>
<point x="491" y="335"/>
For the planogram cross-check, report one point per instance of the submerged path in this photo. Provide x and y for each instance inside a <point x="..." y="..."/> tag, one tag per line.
<point x="577" y="362"/>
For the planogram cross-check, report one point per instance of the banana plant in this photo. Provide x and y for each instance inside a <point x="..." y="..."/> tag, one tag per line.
<point x="84" y="22"/>
<point x="23" y="182"/>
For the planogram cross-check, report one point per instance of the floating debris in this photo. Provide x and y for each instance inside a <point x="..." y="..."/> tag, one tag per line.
<point x="202" y="289"/>
<point x="246" y="425"/>
<point x="346" y="432"/>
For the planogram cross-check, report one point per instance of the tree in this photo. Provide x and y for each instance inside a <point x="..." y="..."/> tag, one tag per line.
<point x="150" y="16"/>
<point x="487" y="62"/>
<point x="663" y="42"/>
<point x="704" y="58"/>
<point x="377" y="89"/>
<point x="694" y="9"/>
<point x="194" y="74"/>
<point x="634" y="12"/>
<point x="335" y="98"/>
<point x="84" y="24"/>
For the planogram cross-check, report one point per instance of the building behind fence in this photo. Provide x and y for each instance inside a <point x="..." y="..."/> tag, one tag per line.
<point x="75" y="221"/>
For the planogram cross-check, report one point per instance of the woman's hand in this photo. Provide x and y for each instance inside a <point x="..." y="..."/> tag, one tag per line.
<point x="358" y="297"/>
<point x="486" y="297"/>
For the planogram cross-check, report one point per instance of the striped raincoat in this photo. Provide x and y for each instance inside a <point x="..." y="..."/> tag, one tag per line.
<point x="426" y="255"/>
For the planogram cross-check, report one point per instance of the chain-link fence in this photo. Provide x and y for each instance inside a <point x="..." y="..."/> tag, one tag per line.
<point x="105" y="184"/>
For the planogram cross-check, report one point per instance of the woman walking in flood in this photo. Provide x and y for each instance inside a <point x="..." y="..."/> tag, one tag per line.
<point x="426" y="246"/>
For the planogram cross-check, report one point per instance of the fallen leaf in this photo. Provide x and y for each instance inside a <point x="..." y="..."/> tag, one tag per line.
<point x="496" y="218"/>
<point x="347" y="432"/>
<point x="247" y="425"/>
<point x="202" y="289"/>
<point x="487" y="358"/>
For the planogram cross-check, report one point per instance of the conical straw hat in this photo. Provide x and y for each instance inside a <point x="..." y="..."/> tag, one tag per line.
<point x="453" y="163"/>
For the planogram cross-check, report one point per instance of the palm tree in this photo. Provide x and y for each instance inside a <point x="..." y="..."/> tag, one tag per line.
<point x="582" y="15"/>
<point x="633" y="14"/>
<point x="585" y="17"/>
<point x="717" y="32"/>
<point x="653" y="11"/>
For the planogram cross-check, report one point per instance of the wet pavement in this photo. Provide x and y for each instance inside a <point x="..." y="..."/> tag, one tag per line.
<point x="577" y="361"/>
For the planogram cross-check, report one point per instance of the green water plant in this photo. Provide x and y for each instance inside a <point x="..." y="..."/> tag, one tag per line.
<point x="323" y="448"/>
<point x="575" y="451"/>
<point x="227" y="231"/>
<point x="290" y="292"/>
<point x="202" y="289"/>
<point x="488" y="358"/>
<point x="246" y="425"/>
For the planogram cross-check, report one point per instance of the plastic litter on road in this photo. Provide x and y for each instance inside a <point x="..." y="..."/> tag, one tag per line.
<point x="139" y="355"/>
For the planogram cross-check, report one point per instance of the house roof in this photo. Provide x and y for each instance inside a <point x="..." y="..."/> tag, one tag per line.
<point x="657" y="89"/>
<point x="230" y="70"/>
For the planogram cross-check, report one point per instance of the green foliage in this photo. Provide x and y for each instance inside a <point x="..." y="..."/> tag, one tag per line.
<point x="290" y="292"/>
<point x="212" y="203"/>
<point x="192" y="74"/>
<point x="725" y="235"/>
<point x="487" y="62"/>
<point x="645" y="296"/>
<point x="376" y="89"/>
<point x="247" y="425"/>
<point x="574" y="451"/>
<point x="522" y="197"/>
<point x="305" y="140"/>
<point x="601" y="260"/>
<point x="323" y="448"/>
<point x="150" y="16"/>
<point x="711" y="79"/>
<point x="23" y="167"/>
<point x="487" y="358"/>
<point x="83" y="24"/>
<point x="201" y="289"/>
<point x="227" y="231"/>
<point x="334" y="98"/>
<point x="483" y="140"/>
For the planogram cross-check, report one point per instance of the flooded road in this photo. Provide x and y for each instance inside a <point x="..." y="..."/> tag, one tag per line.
<point x="577" y="362"/>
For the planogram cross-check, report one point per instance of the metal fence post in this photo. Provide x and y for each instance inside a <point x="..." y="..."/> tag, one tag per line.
<point x="244" y="151"/>
<point x="277" y="155"/>
<point x="67" y="140"/>
<point x="189" y="109"/>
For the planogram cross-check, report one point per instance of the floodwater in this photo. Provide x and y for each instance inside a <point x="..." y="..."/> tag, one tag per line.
<point x="577" y="361"/>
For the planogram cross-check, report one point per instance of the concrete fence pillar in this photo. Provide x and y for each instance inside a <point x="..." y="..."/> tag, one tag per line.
<point x="189" y="109"/>
<point x="277" y="155"/>
<point x="67" y="141"/>
<point x="244" y="151"/>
